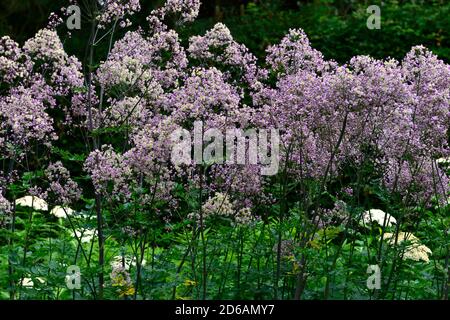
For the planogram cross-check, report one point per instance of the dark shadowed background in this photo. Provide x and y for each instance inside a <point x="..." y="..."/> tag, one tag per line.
<point x="335" y="27"/>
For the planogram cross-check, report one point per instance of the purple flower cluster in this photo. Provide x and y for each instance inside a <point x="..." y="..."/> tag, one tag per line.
<point x="62" y="186"/>
<point x="393" y="115"/>
<point x="109" y="173"/>
<point x="115" y="10"/>
<point x="218" y="48"/>
<point x="34" y="79"/>
<point x="24" y="119"/>
<point x="184" y="10"/>
<point x="332" y="115"/>
<point x="5" y="206"/>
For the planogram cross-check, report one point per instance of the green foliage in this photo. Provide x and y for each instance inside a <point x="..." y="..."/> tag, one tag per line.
<point x="340" y="35"/>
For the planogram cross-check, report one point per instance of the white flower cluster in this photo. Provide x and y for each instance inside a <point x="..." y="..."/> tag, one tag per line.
<point x="39" y="204"/>
<point x="443" y="161"/>
<point x="85" y="235"/>
<point x="378" y="216"/>
<point x="125" y="261"/>
<point x="29" y="283"/>
<point x="218" y="205"/>
<point x="62" y="212"/>
<point x="32" y="202"/>
<point x="415" y="250"/>
<point x="244" y="216"/>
